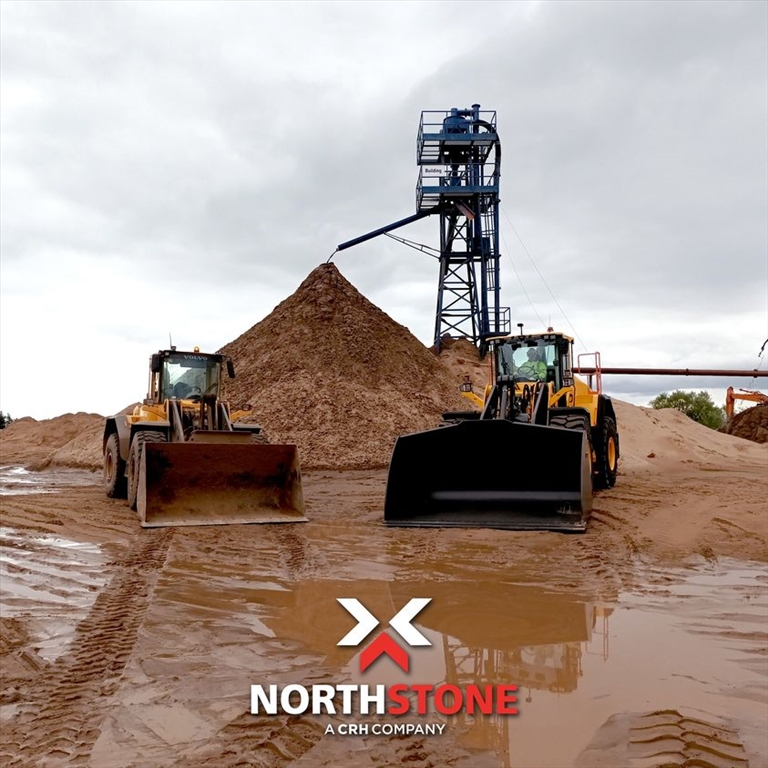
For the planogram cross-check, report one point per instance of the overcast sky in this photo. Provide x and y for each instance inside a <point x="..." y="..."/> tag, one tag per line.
<point x="181" y="167"/>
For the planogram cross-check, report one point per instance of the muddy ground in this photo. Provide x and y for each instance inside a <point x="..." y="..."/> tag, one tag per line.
<point x="639" y="643"/>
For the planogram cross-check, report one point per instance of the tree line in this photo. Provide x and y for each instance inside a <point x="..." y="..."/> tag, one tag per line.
<point x="698" y="406"/>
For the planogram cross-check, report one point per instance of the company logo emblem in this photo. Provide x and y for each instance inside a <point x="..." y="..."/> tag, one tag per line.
<point x="384" y="644"/>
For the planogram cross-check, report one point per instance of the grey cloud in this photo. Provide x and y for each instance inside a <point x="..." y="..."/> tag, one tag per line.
<point x="216" y="145"/>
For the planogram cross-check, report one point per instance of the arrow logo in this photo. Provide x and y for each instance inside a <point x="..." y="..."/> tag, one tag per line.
<point x="384" y="644"/>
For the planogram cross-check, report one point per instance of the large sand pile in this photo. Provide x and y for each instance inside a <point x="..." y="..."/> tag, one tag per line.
<point x="649" y="438"/>
<point x="460" y="357"/>
<point x="71" y="440"/>
<point x="331" y="372"/>
<point x="751" y="424"/>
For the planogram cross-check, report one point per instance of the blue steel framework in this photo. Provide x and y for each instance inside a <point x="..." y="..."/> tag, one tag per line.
<point x="459" y="157"/>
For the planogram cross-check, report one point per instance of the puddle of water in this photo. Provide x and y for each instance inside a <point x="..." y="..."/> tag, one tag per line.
<point x="17" y="481"/>
<point x="576" y="662"/>
<point x="50" y="581"/>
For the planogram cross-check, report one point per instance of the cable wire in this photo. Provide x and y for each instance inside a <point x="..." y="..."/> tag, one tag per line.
<point x="520" y="280"/>
<point x="753" y="380"/>
<point x="543" y="280"/>
<point x="416" y="246"/>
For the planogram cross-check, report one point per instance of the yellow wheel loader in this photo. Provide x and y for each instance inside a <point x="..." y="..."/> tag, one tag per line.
<point x="180" y="460"/>
<point x="528" y="460"/>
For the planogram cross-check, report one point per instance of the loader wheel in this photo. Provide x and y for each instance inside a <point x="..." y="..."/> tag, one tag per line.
<point x="115" y="483"/>
<point x="607" y="455"/>
<point x="259" y="438"/>
<point x="576" y="421"/>
<point x="569" y="421"/>
<point x="134" y="462"/>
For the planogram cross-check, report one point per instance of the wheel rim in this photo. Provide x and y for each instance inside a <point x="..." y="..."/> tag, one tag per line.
<point x="611" y="453"/>
<point x="109" y="466"/>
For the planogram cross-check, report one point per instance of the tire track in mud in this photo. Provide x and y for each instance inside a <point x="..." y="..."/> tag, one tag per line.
<point x="263" y="742"/>
<point x="82" y="510"/>
<point x="61" y="722"/>
<point x="666" y="737"/>
<point x="286" y="741"/>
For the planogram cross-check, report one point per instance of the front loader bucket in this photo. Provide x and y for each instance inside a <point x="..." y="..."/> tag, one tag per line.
<point x="491" y="474"/>
<point x="208" y="483"/>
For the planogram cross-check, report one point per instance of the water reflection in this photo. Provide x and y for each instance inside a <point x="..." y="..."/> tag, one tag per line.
<point x="51" y="579"/>
<point x="481" y="633"/>
<point x="17" y="481"/>
<point x="553" y="645"/>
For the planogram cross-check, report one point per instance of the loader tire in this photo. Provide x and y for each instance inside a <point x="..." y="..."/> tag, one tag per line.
<point x="607" y="451"/>
<point x="569" y="421"/>
<point x="578" y="421"/>
<point x="259" y="439"/>
<point x="115" y="483"/>
<point x="134" y="462"/>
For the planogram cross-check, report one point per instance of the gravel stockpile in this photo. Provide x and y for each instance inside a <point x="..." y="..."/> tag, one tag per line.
<point x="751" y="424"/>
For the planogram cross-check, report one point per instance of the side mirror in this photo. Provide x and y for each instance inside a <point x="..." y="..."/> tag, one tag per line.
<point x="156" y="364"/>
<point x="230" y="368"/>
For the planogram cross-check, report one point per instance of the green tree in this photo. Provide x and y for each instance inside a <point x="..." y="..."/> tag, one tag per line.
<point x="698" y="406"/>
<point x="5" y="419"/>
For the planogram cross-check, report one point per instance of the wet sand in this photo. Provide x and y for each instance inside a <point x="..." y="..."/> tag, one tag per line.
<point x="639" y="643"/>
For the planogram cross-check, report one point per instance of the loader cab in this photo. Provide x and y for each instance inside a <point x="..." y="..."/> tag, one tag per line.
<point x="528" y="358"/>
<point x="184" y="375"/>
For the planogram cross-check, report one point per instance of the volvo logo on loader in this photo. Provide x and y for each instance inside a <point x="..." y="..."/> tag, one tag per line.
<point x="384" y="644"/>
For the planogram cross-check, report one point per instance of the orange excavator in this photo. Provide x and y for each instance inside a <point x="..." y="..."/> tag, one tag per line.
<point x="731" y="396"/>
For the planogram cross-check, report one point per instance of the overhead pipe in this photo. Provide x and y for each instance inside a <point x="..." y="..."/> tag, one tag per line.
<point x="674" y="372"/>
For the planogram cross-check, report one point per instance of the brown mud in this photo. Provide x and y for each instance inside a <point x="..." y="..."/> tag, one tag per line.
<point x="122" y="646"/>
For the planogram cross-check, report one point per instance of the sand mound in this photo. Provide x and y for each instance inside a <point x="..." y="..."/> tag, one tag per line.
<point x="331" y="372"/>
<point x="459" y="356"/>
<point x="751" y="424"/>
<point x="648" y="437"/>
<point x="71" y="440"/>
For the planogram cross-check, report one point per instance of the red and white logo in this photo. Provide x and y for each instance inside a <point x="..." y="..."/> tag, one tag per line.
<point x="400" y="698"/>
<point x="384" y="643"/>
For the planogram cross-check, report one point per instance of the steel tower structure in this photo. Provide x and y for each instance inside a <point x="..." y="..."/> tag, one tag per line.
<point x="459" y="157"/>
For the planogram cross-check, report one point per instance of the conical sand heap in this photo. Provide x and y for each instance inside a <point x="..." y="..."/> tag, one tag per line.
<point x="331" y="372"/>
